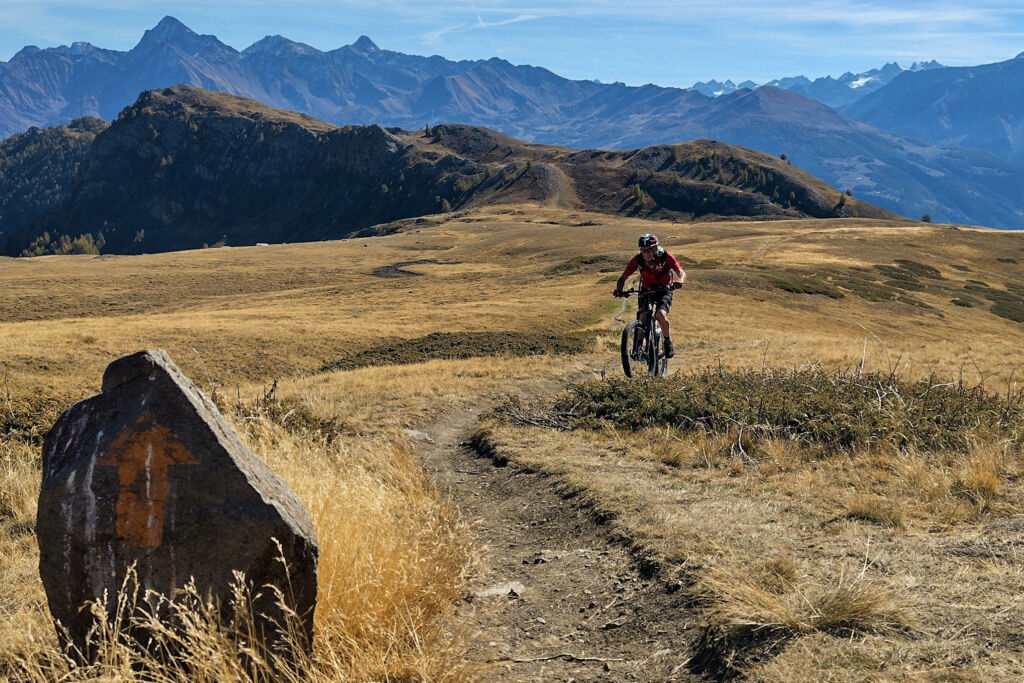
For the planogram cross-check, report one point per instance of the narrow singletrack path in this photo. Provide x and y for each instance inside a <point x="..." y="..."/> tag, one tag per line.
<point x="555" y="599"/>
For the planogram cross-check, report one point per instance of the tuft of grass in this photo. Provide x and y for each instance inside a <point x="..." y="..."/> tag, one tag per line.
<point x="590" y="263"/>
<point x="748" y="621"/>
<point x="842" y="604"/>
<point x="874" y="509"/>
<point x="778" y="575"/>
<point x="805" y="284"/>
<point x="979" y="476"/>
<point x="919" y="269"/>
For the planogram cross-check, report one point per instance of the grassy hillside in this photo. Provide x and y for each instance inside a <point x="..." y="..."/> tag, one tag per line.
<point x="911" y="549"/>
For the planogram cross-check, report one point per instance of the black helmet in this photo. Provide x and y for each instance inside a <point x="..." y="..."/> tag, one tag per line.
<point x="647" y="241"/>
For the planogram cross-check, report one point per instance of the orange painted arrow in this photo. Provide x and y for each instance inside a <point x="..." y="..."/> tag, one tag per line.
<point x="143" y="456"/>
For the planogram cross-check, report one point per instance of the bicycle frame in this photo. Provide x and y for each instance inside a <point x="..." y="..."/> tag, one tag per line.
<point x="641" y="340"/>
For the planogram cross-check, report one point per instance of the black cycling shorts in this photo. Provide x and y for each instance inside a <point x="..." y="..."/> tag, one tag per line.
<point x="662" y="299"/>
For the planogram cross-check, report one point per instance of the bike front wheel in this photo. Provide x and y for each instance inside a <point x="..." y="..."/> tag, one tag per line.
<point x="633" y="349"/>
<point x="657" y="363"/>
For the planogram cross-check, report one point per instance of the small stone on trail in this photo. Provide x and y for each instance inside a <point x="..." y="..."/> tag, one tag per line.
<point x="513" y="588"/>
<point x="418" y="436"/>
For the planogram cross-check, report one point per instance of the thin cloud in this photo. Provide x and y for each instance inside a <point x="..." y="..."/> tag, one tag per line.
<point x="435" y="35"/>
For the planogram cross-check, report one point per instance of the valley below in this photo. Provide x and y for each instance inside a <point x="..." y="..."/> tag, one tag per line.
<point x="827" y="486"/>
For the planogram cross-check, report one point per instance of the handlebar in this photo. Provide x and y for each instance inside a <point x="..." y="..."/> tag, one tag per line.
<point x="626" y="293"/>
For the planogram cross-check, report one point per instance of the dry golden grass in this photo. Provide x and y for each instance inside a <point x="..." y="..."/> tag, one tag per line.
<point x="393" y="560"/>
<point x="847" y="533"/>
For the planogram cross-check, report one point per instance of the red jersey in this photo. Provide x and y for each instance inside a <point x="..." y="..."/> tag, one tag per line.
<point x="655" y="273"/>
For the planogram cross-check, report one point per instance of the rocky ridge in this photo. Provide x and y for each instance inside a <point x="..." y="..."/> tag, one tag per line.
<point x="185" y="167"/>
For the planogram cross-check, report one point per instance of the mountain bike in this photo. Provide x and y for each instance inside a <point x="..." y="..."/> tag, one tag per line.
<point x="641" y="339"/>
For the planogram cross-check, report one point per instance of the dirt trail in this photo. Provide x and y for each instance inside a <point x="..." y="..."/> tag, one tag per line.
<point x="555" y="599"/>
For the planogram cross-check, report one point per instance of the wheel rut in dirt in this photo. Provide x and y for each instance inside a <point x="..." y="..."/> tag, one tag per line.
<point x="555" y="597"/>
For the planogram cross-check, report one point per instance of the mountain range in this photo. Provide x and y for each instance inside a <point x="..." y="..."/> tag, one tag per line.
<point x="835" y="92"/>
<point x="978" y="107"/>
<point x="954" y="175"/>
<point x="183" y="167"/>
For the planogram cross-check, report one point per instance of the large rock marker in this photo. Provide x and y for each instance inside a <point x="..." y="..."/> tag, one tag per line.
<point x="148" y="475"/>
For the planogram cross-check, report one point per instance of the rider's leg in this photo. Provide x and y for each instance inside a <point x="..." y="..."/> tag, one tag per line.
<point x="638" y="334"/>
<point x="670" y="350"/>
<point x="663" y="321"/>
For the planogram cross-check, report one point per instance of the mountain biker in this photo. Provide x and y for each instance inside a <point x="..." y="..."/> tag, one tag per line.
<point x="659" y="271"/>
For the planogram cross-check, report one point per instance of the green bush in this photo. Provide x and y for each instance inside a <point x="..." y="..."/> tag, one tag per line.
<point x="1011" y="310"/>
<point x="802" y="284"/>
<point x="599" y="263"/>
<point x="919" y="269"/>
<point x="841" y="410"/>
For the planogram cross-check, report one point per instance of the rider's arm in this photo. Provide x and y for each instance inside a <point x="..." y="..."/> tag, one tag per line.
<point x="634" y="263"/>
<point x="675" y="270"/>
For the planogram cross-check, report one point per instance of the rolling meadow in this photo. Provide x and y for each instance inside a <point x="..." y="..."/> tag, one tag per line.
<point x="885" y="545"/>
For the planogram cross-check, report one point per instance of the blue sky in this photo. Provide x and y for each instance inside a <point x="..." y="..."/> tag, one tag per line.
<point x="634" y="41"/>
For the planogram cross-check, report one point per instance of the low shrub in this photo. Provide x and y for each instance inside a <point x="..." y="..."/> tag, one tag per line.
<point x="451" y="345"/>
<point x="805" y="284"/>
<point x="869" y="290"/>
<point x="812" y="406"/>
<point x="919" y="269"/>
<point x="599" y="263"/>
<point x="896" y="273"/>
<point x="29" y="419"/>
<point x="1011" y="310"/>
<point x="398" y="269"/>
